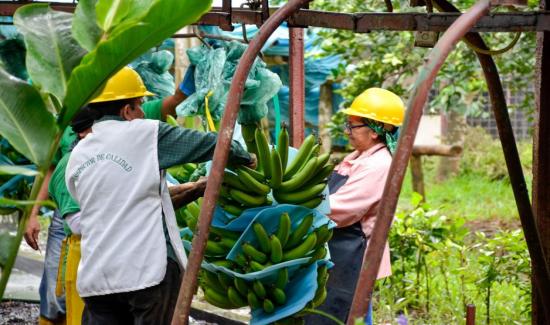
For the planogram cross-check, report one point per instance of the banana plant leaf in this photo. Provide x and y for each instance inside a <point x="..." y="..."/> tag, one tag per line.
<point x="52" y="52"/>
<point x="125" y="42"/>
<point x="110" y="13"/>
<point x="17" y="170"/>
<point x="24" y="120"/>
<point x="85" y="28"/>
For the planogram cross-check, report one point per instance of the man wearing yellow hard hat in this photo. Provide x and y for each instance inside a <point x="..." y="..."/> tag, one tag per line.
<point x="55" y="310"/>
<point x="132" y="257"/>
<point x="356" y="187"/>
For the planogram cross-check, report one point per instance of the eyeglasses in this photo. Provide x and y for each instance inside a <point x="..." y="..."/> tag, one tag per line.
<point x="348" y="126"/>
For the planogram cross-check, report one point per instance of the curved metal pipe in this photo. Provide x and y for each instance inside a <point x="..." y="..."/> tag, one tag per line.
<point x="219" y="161"/>
<point x="513" y="163"/>
<point x="384" y="217"/>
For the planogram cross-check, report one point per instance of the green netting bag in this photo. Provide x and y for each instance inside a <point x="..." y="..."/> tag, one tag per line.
<point x="153" y="69"/>
<point x="214" y="73"/>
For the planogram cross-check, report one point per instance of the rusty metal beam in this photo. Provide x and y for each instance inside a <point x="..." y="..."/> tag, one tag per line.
<point x="219" y="161"/>
<point x="297" y="85"/>
<point x="541" y="166"/>
<point x="392" y="188"/>
<point x="359" y="22"/>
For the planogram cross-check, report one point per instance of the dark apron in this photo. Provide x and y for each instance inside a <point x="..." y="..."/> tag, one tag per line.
<point x="346" y="251"/>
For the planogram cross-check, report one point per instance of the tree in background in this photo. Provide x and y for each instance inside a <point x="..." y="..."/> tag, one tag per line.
<point x="389" y="59"/>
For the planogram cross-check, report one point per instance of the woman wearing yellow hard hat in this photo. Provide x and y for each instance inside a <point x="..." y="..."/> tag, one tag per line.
<point x="356" y="187"/>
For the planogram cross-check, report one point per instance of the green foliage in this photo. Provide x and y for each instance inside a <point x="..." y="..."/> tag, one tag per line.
<point x="483" y="156"/>
<point x="30" y="131"/>
<point x="52" y="52"/>
<point x="439" y="265"/>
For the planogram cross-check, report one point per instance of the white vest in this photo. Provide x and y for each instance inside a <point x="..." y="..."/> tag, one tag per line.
<point x="114" y="175"/>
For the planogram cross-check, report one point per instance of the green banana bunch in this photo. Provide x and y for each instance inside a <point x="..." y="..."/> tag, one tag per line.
<point x="246" y="188"/>
<point x="304" y="178"/>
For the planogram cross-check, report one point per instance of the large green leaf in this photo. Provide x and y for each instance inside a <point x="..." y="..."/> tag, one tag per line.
<point x="24" y="120"/>
<point x="52" y="52"/>
<point x="110" y="13"/>
<point x="126" y="42"/>
<point x="85" y="28"/>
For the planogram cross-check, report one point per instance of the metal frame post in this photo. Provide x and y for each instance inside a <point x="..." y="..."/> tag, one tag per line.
<point x="297" y="85"/>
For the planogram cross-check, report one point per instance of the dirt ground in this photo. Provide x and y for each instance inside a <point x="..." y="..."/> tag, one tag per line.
<point x="15" y="312"/>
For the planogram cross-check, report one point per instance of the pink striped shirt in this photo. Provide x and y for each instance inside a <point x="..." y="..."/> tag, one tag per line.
<point x="358" y="199"/>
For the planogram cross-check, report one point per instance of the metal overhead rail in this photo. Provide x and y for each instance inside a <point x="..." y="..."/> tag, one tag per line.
<point x="357" y="22"/>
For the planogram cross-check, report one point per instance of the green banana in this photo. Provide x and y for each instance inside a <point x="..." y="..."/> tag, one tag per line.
<point x="282" y="278"/>
<point x="228" y="243"/>
<point x="279" y="296"/>
<point x="276" y="249"/>
<point x="210" y="279"/>
<point x="300" y="231"/>
<point x="302" y="249"/>
<point x="262" y="237"/>
<point x="190" y="167"/>
<point x="217" y="299"/>
<point x="241" y="286"/>
<point x="248" y="131"/>
<point x="268" y="306"/>
<point x="322" y="272"/>
<point x="214" y="249"/>
<point x="300" y="195"/>
<point x="247" y="199"/>
<point x="241" y="260"/>
<point x="223" y="263"/>
<point x="194" y="209"/>
<point x="301" y="155"/>
<point x="282" y="146"/>
<point x="254" y="254"/>
<point x="263" y="152"/>
<point x="170" y="120"/>
<point x="313" y="203"/>
<point x="235" y="297"/>
<point x="253" y="300"/>
<point x="190" y="220"/>
<point x="320" y="176"/>
<point x="224" y="280"/>
<point x="254" y="173"/>
<point x="276" y="169"/>
<point x="251" y="183"/>
<point x="319" y="299"/>
<point x="223" y="233"/>
<point x="322" y="160"/>
<point x="283" y="232"/>
<point x="300" y="178"/>
<point x="323" y="235"/>
<point x="233" y="209"/>
<point x="233" y="181"/>
<point x="259" y="289"/>
<point x="318" y="254"/>
<point x="255" y="266"/>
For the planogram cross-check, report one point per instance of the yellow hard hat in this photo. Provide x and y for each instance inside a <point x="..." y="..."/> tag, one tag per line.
<point x="125" y="84"/>
<point x="378" y="104"/>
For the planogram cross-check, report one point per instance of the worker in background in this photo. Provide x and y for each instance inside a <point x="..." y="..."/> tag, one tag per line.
<point x="52" y="307"/>
<point x="356" y="188"/>
<point x="132" y="255"/>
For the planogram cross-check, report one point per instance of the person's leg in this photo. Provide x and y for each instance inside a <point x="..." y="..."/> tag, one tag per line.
<point x="155" y="305"/>
<point x="74" y="303"/>
<point x="52" y="307"/>
<point x="106" y="310"/>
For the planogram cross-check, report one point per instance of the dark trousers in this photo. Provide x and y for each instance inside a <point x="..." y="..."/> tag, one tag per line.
<point x="154" y="305"/>
<point x="346" y="251"/>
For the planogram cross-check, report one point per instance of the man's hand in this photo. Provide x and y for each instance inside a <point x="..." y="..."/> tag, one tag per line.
<point x="183" y="194"/>
<point x="32" y="231"/>
<point x="253" y="161"/>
